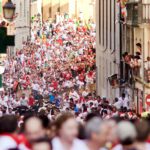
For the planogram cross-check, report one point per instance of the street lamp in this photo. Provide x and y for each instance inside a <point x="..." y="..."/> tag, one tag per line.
<point x="9" y="10"/>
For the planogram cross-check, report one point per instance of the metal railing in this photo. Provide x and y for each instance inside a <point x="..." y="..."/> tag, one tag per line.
<point x="138" y="13"/>
<point x="147" y="71"/>
<point x="145" y="13"/>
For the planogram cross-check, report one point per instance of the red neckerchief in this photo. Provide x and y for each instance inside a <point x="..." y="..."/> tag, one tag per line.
<point x="14" y="137"/>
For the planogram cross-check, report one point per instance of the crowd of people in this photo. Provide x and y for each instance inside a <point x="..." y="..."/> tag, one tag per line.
<point x="59" y="57"/>
<point x="65" y="131"/>
<point x="49" y="99"/>
<point x="134" y="63"/>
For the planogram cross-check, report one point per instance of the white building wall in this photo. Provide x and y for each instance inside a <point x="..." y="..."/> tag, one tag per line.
<point x="36" y="7"/>
<point x="108" y="46"/>
<point x="22" y="22"/>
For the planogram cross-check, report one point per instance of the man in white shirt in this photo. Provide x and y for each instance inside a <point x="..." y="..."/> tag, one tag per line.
<point x="73" y="94"/>
<point x="23" y="101"/>
<point x="85" y="93"/>
<point x="35" y="86"/>
<point x="6" y="98"/>
<point x="147" y="64"/>
<point x="16" y="103"/>
<point x="124" y="101"/>
<point x="118" y="104"/>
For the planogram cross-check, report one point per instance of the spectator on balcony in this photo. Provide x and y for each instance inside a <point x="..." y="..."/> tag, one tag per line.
<point x="147" y="69"/>
<point x="139" y="48"/>
<point x="126" y="57"/>
<point x="147" y="63"/>
<point x="137" y="65"/>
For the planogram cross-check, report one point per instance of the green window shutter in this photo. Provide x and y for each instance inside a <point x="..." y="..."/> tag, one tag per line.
<point x="3" y="34"/>
<point x="1" y="85"/>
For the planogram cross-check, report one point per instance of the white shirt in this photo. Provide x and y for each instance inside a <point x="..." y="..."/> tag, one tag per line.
<point x="125" y="102"/>
<point x="6" y="99"/>
<point x="77" y="145"/>
<point x="85" y="93"/>
<point x="147" y="65"/>
<point x="118" y="104"/>
<point x="16" y="104"/>
<point x="74" y="95"/>
<point x="22" y="57"/>
<point x="35" y="87"/>
<point x="119" y="147"/>
<point x="7" y="143"/>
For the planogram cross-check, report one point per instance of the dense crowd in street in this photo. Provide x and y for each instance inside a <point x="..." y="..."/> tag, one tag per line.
<point x="60" y="57"/>
<point x="49" y="99"/>
<point x="67" y="130"/>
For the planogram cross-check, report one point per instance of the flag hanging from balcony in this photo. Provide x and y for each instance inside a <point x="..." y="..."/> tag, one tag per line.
<point x="113" y="80"/>
<point x="123" y="7"/>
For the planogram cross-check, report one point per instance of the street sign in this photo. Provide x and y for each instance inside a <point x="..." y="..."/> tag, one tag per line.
<point x="148" y="100"/>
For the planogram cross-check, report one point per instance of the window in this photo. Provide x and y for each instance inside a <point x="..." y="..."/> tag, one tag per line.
<point x="28" y="20"/>
<point x="106" y="23"/>
<point x="110" y="68"/>
<point x="114" y="25"/>
<point x="128" y="39"/>
<point x="106" y="72"/>
<point x="103" y="22"/>
<point x="22" y="39"/>
<point x="20" y="9"/>
<point x="58" y="9"/>
<point x="50" y="12"/>
<point x="99" y="21"/>
<point x="110" y="23"/>
<point x="24" y="8"/>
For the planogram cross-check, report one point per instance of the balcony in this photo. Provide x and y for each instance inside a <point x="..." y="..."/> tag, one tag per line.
<point x="146" y="13"/>
<point x="126" y="75"/>
<point x="147" y="70"/>
<point x="138" y="13"/>
<point x="134" y="68"/>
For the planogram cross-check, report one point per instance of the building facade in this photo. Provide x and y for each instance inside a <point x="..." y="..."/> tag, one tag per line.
<point x="20" y="26"/>
<point x="74" y="8"/>
<point x="108" y="47"/>
<point x="36" y="7"/>
<point x="137" y="42"/>
<point x="22" y="22"/>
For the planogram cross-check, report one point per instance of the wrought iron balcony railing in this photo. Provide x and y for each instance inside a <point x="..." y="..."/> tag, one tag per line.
<point x="138" y="13"/>
<point x="146" y="13"/>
